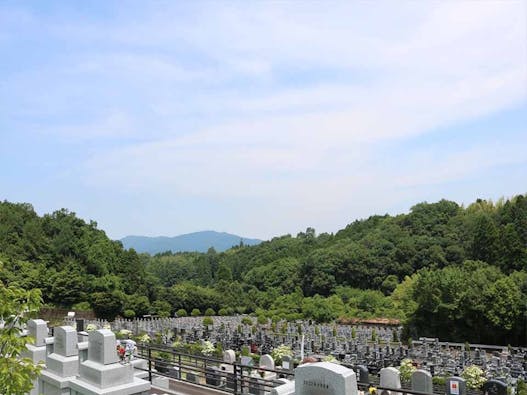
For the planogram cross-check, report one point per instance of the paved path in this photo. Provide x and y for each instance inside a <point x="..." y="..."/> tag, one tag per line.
<point x="177" y="387"/>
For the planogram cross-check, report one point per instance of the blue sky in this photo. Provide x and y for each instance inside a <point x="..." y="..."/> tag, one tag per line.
<point x="259" y="118"/>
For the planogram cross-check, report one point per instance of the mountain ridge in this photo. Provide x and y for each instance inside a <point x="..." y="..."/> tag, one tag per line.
<point x="199" y="241"/>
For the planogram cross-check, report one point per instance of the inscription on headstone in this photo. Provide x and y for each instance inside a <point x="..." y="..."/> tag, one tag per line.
<point x="325" y="378"/>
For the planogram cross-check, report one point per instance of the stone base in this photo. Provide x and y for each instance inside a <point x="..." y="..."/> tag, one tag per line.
<point x="52" y="384"/>
<point x="136" y="387"/>
<point x="36" y="354"/>
<point x="62" y="366"/>
<point x="106" y="376"/>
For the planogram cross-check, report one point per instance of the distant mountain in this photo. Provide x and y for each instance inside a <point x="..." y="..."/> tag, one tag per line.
<point x="197" y="241"/>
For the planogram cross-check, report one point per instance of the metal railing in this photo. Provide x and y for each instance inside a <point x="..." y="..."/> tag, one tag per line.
<point x="234" y="378"/>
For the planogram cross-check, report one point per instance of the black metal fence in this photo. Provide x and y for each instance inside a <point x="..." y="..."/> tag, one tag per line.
<point x="234" y="378"/>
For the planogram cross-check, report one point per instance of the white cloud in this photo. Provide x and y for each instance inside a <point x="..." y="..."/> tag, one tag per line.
<point x="291" y="102"/>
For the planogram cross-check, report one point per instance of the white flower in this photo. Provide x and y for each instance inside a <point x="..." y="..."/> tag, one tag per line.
<point x="474" y="376"/>
<point x="91" y="327"/>
<point x="281" y="351"/>
<point x="406" y="369"/>
<point x="207" y="348"/>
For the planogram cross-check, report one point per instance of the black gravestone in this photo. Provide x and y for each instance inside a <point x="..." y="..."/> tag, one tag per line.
<point x="495" y="387"/>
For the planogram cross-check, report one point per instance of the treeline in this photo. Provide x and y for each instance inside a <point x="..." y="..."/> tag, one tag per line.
<point x="447" y="271"/>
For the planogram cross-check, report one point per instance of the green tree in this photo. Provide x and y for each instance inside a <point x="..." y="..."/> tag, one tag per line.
<point x="485" y="244"/>
<point x="107" y="305"/>
<point x="16" y="372"/>
<point x="138" y="303"/>
<point x="161" y="308"/>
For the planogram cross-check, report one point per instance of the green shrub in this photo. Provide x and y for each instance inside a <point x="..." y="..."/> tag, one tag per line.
<point x="521" y="388"/>
<point x="195" y="313"/>
<point x="182" y="313"/>
<point x="81" y="306"/>
<point x="208" y="321"/>
<point x="128" y="313"/>
<point x="245" y="351"/>
<point x="209" y="312"/>
<point x="195" y="348"/>
<point x="247" y="321"/>
<point x="219" y="350"/>
<point x="223" y="311"/>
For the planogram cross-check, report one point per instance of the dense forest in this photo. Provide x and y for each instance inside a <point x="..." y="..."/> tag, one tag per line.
<point x="447" y="271"/>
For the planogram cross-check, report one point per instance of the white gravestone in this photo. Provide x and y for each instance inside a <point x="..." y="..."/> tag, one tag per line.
<point x="229" y="356"/>
<point x="267" y="362"/>
<point x="391" y="378"/>
<point x="325" y="378"/>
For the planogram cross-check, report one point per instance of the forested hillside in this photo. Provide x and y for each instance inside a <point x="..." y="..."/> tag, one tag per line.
<point x="447" y="271"/>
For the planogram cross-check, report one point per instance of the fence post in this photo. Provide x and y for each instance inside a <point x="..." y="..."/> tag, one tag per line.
<point x="149" y="364"/>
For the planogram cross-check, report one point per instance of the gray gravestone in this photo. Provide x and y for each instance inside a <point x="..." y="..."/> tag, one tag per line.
<point x="325" y="378"/>
<point x="38" y="329"/>
<point x="287" y="362"/>
<point x="101" y="347"/>
<point x="456" y="386"/>
<point x="362" y="374"/>
<point x="422" y="381"/>
<point x="65" y="341"/>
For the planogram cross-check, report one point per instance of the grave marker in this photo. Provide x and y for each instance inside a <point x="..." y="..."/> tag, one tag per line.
<point x="325" y="378"/>
<point x="422" y="381"/>
<point x="456" y="386"/>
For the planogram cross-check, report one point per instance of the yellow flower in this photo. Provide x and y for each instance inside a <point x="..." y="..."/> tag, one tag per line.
<point x="372" y="390"/>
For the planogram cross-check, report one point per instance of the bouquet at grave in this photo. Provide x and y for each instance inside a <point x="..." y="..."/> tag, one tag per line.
<point x="474" y="376"/>
<point x="406" y="369"/>
<point x="207" y="348"/>
<point x="91" y="327"/>
<point x="121" y="351"/>
<point x="145" y="338"/>
<point x="279" y="352"/>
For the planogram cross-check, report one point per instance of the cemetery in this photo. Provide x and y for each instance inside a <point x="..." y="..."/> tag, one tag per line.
<point x="232" y="355"/>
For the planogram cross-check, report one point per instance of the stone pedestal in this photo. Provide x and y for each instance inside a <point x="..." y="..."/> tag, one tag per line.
<point x="101" y="373"/>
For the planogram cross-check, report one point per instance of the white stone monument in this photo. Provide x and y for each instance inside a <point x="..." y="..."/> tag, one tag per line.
<point x="325" y="378"/>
